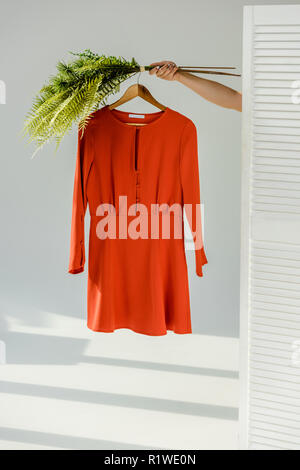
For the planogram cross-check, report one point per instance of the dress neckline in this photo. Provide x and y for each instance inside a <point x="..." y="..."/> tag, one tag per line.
<point x="113" y="113"/>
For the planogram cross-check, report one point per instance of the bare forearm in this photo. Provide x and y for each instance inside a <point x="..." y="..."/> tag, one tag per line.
<point x="211" y="91"/>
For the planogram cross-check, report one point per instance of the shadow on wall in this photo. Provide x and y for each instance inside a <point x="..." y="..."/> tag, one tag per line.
<point x="62" y="441"/>
<point x="27" y="348"/>
<point x="42" y="349"/>
<point x="24" y="348"/>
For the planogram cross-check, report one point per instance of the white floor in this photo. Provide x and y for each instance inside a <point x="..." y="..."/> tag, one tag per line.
<point x="65" y="387"/>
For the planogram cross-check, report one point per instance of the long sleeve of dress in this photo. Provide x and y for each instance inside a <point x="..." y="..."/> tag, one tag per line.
<point x="83" y="165"/>
<point x="189" y="173"/>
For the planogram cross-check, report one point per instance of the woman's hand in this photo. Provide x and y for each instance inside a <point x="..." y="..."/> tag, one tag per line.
<point x="165" y="70"/>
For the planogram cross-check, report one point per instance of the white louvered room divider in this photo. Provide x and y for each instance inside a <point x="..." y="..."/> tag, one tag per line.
<point x="270" y="233"/>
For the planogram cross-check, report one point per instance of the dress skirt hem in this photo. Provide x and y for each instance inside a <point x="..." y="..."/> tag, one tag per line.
<point x="136" y="330"/>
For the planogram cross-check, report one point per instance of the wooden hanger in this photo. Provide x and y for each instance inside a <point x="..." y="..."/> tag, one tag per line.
<point x="132" y="92"/>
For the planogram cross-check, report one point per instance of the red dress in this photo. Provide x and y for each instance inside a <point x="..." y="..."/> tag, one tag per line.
<point x="137" y="276"/>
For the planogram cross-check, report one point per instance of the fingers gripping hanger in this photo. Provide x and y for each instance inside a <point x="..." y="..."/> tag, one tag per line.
<point x="134" y="91"/>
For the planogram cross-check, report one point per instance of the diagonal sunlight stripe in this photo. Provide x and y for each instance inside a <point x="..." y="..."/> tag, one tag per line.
<point x="121" y="400"/>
